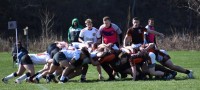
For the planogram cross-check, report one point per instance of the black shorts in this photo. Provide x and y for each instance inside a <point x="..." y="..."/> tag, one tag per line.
<point x="78" y="63"/>
<point x="54" y="51"/>
<point x="59" y="56"/>
<point x="122" y="68"/>
<point x="26" y="59"/>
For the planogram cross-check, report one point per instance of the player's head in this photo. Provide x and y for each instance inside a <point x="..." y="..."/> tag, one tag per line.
<point x="19" y="44"/>
<point x="106" y="21"/>
<point x="88" y="23"/>
<point x="135" y="22"/>
<point x="151" y="22"/>
<point x="85" y="51"/>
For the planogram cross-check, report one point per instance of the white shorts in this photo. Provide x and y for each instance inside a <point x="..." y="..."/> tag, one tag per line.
<point x="136" y="45"/>
<point x="159" y="58"/>
<point x="39" y="58"/>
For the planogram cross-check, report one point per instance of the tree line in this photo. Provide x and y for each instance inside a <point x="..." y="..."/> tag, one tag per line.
<point x="50" y="17"/>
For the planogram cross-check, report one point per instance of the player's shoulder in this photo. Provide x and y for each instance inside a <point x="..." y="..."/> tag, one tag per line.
<point x="84" y="29"/>
<point x="130" y="29"/>
<point x="102" y="26"/>
<point x="94" y="28"/>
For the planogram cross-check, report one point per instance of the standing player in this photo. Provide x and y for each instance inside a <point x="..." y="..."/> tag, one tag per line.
<point x="110" y="32"/>
<point x="151" y="38"/>
<point x="135" y="37"/>
<point x="89" y="33"/>
<point x="74" y="31"/>
<point x="24" y="64"/>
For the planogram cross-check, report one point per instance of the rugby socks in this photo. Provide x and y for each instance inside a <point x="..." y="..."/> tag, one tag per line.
<point x="84" y="71"/>
<point x="39" y="76"/>
<point x="24" y="76"/>
<point x="11" y="76"/>
<point x="64" y="79"/>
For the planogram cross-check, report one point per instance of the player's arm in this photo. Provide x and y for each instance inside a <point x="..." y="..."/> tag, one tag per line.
<point x="127" y="38"/>
<point x="80" y="39"/>
<point x="133" y="68"/>
<point x="155" y="32"/>
<point x="69" y="35"/>
<point x="98" y="36"/>
<point x="81" y="35"/>
<point x="119" y="32"/>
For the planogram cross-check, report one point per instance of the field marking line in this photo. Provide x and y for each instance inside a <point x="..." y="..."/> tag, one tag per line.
<point x="42" y="87"/>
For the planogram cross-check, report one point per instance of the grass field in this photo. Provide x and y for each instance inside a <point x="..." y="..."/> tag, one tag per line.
<point x="187" y="59"/>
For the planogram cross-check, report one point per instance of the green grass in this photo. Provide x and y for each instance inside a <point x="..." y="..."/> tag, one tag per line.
<point x="187" y="59"/>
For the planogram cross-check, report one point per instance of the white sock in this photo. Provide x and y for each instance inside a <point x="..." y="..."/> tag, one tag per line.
<point x="62" y="78"/>
<point x="22" y="77"/>
<point x="100" y="75"/>
<point x="153" y="57"/>
<point x="9" y="76"/>
<point x="55" y="74"/>
<point x="39" y="76"/>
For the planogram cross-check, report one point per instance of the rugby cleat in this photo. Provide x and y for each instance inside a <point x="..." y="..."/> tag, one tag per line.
<point x="110" y="79"/>
<point x="64" y="81"/>
<point x="168" y="77"/>
<point x="48" y="79"/>
<point x="18" y="81"/>
<point x="174" y="74"/>
<point x="37" y="80"/>
<point x="101" y="78"/>
<point x="5" y="80"/>
<point x="190" y="75"/>
<point x="83" y="80"/>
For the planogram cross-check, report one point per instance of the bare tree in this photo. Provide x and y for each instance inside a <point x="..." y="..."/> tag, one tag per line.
<point x="47" y="22"/>
<point x="194" y="5"/>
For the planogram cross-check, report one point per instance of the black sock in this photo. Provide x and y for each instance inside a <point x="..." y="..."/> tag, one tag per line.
<point x="187" y="72"/>
<point x="15" y="74"/>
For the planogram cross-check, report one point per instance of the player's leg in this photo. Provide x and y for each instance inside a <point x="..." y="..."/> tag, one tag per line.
<point x="84" y="72"/>
<point x="20" y="71"/>
<point x="76" y="72"/>
<point x="30" y="72"/>
<point x="177" y="68"/>
<point x="68" y="69"/>
<point x="100" y="72"/>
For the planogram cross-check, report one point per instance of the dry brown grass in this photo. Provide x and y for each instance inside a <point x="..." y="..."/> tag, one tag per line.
<point x="176" y="41"/>
<point x="179" y="41"/>
<point x="5" y="45"/>
<point x="35" y="45"/>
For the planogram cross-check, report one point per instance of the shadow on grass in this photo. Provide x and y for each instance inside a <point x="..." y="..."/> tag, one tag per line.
<point x="119" y="80"/>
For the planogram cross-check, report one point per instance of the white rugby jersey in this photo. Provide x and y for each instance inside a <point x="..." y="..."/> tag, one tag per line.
<point x="72" y="54"/>
<point x="78" y="45"/>
<point x="90" y="35"/>
<point x="41" y="58"/>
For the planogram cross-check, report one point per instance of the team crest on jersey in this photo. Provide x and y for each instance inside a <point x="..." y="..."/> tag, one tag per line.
<point x="94" y="34"/>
